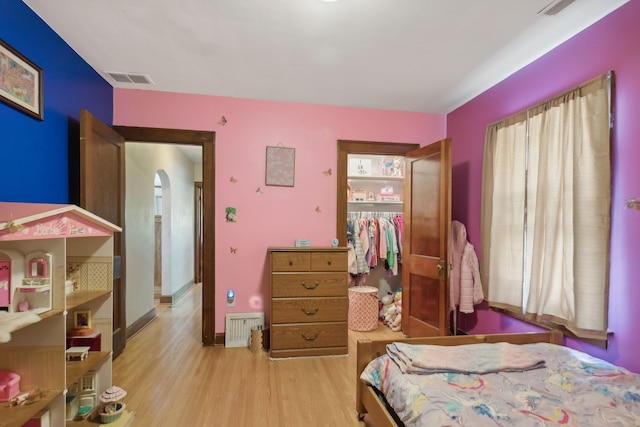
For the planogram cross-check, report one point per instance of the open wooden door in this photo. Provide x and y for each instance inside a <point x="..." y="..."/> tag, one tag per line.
<point x="102" y="191"/>
<point x="425" y="249"/>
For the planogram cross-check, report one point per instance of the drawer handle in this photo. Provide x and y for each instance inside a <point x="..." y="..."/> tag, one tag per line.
<point x="310" y="338"/>
<point x="329" y="261"/>
<point x="308" y="312"/>
<point x="315" y="285"/>
<point x="290" y="262"/>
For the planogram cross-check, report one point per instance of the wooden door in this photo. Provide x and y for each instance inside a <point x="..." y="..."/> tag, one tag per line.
<point x="425" y="249"/>
<point x="102" y="191"/>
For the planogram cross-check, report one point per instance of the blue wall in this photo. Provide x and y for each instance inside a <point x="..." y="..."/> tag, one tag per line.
<point x="34" y="153"/>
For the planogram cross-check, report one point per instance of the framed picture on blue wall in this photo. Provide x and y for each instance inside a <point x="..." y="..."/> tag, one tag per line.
<point x="20" y="82"/>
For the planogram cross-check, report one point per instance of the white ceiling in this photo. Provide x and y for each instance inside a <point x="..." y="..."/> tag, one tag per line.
<point x="413" y="55"/>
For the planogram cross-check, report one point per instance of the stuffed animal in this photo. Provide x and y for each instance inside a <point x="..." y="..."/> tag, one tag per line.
<point x="391" y="315"/>
<point x="385" y="302"/>
<point x="397" y="297"/>
<point x="397" y="166"/>
<point x="396" y="325"/>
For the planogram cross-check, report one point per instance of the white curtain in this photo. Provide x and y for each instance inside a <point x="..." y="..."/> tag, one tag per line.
<point x="546" y="210"/>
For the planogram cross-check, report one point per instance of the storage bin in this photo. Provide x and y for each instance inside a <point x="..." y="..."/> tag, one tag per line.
<point x="363" y="308"/>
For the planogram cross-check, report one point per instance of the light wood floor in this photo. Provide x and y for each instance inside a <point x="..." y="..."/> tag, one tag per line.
<point x="173" y="381"/>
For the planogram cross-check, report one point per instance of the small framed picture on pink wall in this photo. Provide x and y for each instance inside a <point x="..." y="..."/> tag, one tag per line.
<point x="280" y="166"/>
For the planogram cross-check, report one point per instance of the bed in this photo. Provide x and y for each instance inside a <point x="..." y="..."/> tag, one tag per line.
<point x="506" y="380"/>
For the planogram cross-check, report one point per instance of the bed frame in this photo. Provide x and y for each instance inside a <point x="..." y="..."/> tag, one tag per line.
<point x="368" y="402"/>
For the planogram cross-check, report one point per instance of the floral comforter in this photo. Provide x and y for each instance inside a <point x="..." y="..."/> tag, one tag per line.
<point x="570" y="388"/>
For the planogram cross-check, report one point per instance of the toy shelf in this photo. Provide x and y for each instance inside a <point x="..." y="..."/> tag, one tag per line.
<point x="18" y="415"/>
<point x="80" y="298"/>
<point x="125" y="420"/>
<point x="57" y="245"/>
<point x="77" y="368"/>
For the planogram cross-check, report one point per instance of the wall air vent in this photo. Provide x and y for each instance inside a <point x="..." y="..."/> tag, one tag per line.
<point x="555" y="7"/>
<point x="130" y="78"/>
<point x="237" y="330"/>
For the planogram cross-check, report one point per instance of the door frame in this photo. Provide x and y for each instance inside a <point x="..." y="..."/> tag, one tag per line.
<point x="206" y="140"/>
<point x="198" y="218"/>
<point x="346" y="147"/>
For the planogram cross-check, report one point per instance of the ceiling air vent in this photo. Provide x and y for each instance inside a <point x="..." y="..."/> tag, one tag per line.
<point x="130" y="78"/>
<point x="555" y="7"/>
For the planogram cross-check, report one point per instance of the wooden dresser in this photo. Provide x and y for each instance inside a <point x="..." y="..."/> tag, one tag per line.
<point x="309" y="303"/>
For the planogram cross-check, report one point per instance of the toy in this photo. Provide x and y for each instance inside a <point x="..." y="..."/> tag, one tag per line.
<point x="9" y="385"/>
<point x="77" y="353"/>
<point x="390" y="316"/>
<point x="112" y="407"/>
<point x="398" y="296"/>
<point x="397" y="166"/>
<point x="396" y="325"/>
<point x="385" y="302"/>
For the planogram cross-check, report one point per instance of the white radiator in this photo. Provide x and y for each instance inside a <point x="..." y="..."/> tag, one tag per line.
<point x="237" y="330"/>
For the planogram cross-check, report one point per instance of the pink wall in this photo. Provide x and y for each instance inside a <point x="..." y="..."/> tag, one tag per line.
<point x="281" y="214"/>
<point x="611" y="44"/>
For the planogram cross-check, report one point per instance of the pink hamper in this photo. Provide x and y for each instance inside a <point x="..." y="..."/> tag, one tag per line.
<point x="363" y="308"/>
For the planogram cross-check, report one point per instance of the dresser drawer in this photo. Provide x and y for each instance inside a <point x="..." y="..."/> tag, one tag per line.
<point x="309" y="284"/>
<point x="290" y="261"/>
<point x="309" y="310"/>
<point x="329" y="261"/>
<point x="310" y="335"/>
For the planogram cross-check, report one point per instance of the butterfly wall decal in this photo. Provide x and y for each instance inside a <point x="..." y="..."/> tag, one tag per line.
<point x="233" y="250"/>
<point x="318" y="209"/>
<point x="259" y="191"/>
<point x="233" y="180"/>
<point x="223" y="121"/>
<point x="632" y="203"/>
<point x="327" y="172"/>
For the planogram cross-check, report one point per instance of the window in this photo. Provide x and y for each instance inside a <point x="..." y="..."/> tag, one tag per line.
<point x="546" y="210"/>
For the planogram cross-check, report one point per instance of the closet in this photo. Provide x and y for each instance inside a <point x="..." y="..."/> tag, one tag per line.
<point x="426" y="216"/>
<point x="374" y="219"/>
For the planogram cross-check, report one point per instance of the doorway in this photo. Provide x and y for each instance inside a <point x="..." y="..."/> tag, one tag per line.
<point x="427" y="220"/>
<point x="358" y="147"/>
<point x="162" y="237"/>
<point x="206" y="140"/>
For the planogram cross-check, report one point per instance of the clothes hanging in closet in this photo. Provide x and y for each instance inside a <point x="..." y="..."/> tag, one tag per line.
<point x="375" y="238"/>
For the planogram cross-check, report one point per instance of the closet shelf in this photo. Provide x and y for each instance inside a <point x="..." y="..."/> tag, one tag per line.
<point x="376" y="178"/>
<point x="373" y="202"/>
